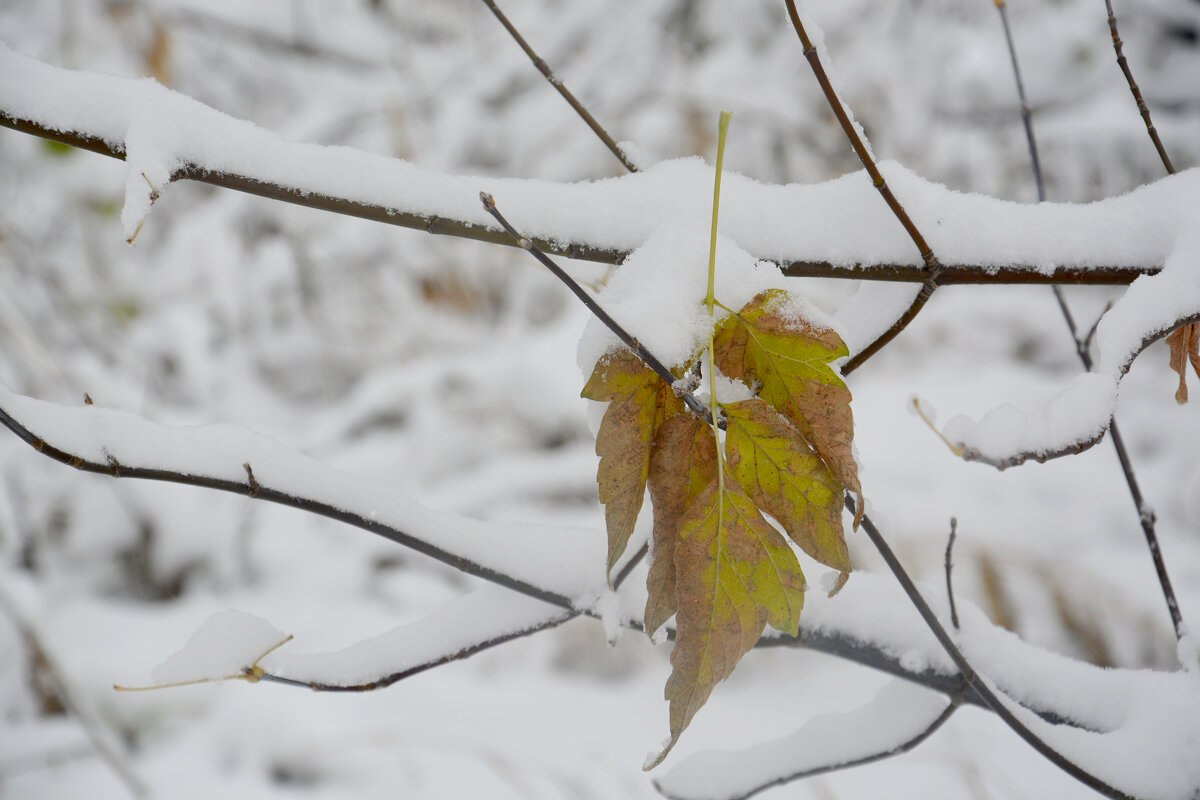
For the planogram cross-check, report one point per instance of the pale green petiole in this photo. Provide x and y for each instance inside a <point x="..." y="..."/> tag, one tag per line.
<point x="711" y="300"/>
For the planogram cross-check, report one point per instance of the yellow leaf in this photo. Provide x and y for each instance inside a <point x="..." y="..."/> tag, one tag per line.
<point x="638" y="403"/>
<point x="766" y="343"/>
<point x="785" y="478"/>
<point x="734" y="573"/>
<point x="682" y="464"/>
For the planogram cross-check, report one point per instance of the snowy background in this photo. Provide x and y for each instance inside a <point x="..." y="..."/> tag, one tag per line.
<point x="448" y="369"/>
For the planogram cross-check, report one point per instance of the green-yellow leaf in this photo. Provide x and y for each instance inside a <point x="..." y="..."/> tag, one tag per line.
<point x="785" y="478"/>
<point x="766" y="343"/>
<point x="734" y="573"/>
<point x="682" y="464"/>
<point x="639" y="401"/>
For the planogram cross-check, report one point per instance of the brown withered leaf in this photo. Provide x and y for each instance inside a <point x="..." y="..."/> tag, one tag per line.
<point x="639" y="401"/>
<point x="789" y="356"/>
<point x="785" y="478"/>
<point x="682" y="464"/>
<point x="1185" y="346"/>
<point x="734" y="574"/>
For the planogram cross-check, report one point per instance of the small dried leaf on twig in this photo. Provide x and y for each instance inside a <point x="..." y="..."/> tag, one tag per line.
<point x="1185" y="346"/>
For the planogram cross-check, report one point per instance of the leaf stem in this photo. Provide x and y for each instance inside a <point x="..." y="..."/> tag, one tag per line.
<point x="711" y="300"/>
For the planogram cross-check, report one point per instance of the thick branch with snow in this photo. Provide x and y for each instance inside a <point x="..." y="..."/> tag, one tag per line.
<point x="559" y="573"/>
<point x="835" y="229"/>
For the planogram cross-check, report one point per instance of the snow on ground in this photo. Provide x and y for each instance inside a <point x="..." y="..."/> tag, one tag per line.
<point x="448" y="370"/>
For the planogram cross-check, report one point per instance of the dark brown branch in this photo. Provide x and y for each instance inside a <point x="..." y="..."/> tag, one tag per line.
<point x="458" y="655"/>
<point x="557" y="83"/>
<point x="1083" y="345"/>
<point x="1143" y="109"/>
<point x="395" y="677"/>
<point x="255" y="489"/>
<point x="1100" y="274"/>
<point x="969" y="677"/>
<point x="931" y="278"/>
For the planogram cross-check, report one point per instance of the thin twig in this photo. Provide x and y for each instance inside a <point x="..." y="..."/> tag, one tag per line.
<point x="933" y="268"/>
<point x="1145" y="513"/>
<point x="696" y="407"/>
<point x="466" y="652"/>
<point x="973" y="681"/>
<point x="1083" y="344"/>
<point x="1026" y="113"/>
<point x="1143" y="109"/>
<point x="557" y="83"/>
<point x="949" y="569"/>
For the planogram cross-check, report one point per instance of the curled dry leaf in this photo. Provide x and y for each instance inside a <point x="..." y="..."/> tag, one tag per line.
<point x="766" y="342"/>
<point x="1185" y="346"/>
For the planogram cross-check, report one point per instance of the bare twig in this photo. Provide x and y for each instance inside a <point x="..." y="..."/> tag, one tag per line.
<point x="793" y="265"/>
<point x="1145" y="514"/>
<point x="970" y="678"/>
<point x="458" y="655"/>
<point x="1143" y="109"/>
<point x="557" y="83"/>
<point x="949" y="569"/>
<point x="1083" y="344"/>
<point x="933" y="268"/>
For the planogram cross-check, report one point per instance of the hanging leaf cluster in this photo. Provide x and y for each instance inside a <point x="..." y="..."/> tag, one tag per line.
<point x="717" y="564"/>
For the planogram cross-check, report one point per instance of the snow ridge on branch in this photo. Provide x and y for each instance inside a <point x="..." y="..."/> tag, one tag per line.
<point x="165" y="135"/>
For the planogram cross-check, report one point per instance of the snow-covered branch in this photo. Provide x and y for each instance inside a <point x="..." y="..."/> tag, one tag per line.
<point x="1079" y="416"/>
<point x="832" y="229"/>
<point x="894" y="722"/>
<point x="560" y="570"/>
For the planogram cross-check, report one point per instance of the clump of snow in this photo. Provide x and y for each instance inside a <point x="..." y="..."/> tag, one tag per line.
<point x="731" y="390"/>
<point x="1189" y="652"/>
<point x="488" y="614"/>
<point x="608" y="606"/>
<point x="149" y="163"/>
<point x="1080" y="414"/>
<point x="225" y="645"/>
<point x="634" y="153"/>
<point x="658" y="294"/>
<point x="899" y="712"/>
